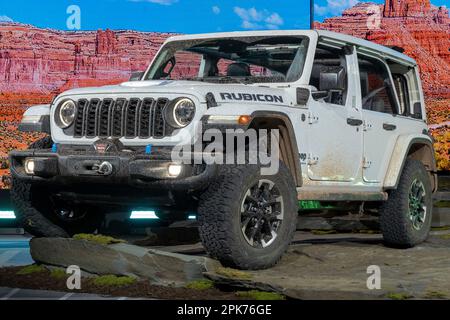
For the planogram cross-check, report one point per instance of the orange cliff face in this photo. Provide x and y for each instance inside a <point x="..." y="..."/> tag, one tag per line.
<point x="44" y="61"/>
<point x="406" y="8"/>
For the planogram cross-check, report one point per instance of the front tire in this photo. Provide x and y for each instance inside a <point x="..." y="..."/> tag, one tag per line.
<point x="40" y="215"/>
<point x="247" y="220"/>
<point x="405" y="218"/>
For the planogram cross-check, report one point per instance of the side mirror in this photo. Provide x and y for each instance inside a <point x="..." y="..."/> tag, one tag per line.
<point x="417" y="110"/>
<point x="332" y="84"/>
<point x="136" y="76"/>
<point x="332" y="78"/>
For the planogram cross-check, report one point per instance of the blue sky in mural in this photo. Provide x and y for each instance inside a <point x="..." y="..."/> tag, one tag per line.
<point x="186" y="16"/>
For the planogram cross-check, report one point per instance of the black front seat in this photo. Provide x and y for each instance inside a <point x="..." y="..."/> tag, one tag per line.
<point x="238" y="69"/>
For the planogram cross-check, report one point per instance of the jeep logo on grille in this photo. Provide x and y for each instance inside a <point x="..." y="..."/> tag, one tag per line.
<point x="104" y="146"/>
<point x="251" y="97"/>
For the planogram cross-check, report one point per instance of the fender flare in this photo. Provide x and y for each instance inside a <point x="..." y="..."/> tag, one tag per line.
<point x="400" y="154"/>
<point x="36" y="119"/>
<point x="294" y="156"/>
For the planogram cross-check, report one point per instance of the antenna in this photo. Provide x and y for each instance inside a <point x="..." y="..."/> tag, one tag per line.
<point x="311" y="14"/>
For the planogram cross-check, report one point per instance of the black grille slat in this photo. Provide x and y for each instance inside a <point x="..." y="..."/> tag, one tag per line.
<point x="131" y="118"/>
<point x="158" y="118"/>
<point x="91" y="118"/>
<point x="104" y="114"/>
<point x="79" y="119"/>
<point x="118" y="118"/>
<point x="145" y="116"/>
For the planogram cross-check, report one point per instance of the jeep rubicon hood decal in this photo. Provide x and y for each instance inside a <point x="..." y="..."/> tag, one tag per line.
<point x="251" y="97"/>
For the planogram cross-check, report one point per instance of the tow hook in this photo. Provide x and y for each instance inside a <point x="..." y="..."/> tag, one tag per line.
<point x="105" y="168"/>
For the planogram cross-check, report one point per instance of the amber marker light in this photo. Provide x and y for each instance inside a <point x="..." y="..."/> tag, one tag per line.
<point x="244" y="120"/>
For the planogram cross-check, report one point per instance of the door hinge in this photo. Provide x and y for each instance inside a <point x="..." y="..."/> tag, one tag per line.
<point x="312" y="118"/>
<point x="367" y="126"/>
<point x="366" y="163"/>
<point x="312" y="160"/>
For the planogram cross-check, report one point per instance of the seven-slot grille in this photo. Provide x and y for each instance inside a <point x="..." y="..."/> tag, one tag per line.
<point x="129" y="118"/>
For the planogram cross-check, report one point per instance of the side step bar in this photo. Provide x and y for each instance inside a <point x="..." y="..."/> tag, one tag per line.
<point x="348" y="196"/>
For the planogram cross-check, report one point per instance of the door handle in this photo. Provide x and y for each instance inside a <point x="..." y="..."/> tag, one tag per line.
<point x="354" y="122"/>
<point x="389" y="126"/>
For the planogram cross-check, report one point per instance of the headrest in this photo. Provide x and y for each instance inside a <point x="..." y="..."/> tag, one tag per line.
<point x="238" y="69"/>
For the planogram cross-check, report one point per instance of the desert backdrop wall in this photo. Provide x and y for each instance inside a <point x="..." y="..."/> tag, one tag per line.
<point x="36" y="64"/>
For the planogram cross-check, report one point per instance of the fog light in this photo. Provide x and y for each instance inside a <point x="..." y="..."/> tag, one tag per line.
<point x="29" y="166"/>
<point x="174" y="170"/>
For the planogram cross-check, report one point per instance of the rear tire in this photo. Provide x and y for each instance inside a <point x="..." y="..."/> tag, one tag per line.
<point x="36" y="212"/>
<point x="405" y="218"/>
<point x="240" y="210"/>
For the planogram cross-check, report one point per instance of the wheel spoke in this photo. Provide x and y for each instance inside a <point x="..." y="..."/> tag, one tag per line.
<point x="274" y="216"/>
<point x="266" y="182"/>
<point x="248" y="214"/>
<point x="254" y="231"/>
<point x="273" y="201"/>
<point x="252" y="199"/>
<point x="418" y="191"/>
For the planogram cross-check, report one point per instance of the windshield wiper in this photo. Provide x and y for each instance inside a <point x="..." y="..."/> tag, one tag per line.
<point x="245" y="81"/>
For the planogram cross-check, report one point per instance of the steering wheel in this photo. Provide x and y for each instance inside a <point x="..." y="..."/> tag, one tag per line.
<point x="371" y="95"/>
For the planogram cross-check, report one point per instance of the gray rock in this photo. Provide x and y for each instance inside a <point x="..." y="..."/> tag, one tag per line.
<point x="339" y="271"/>
<point x="441" y="217"/>
<point x="338" y="223"/>
<point x="163" y="268"/>
<point x="330" y="268"/>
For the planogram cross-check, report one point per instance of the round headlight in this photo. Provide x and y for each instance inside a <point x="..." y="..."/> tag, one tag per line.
<point x="181" y="113"/>
<point x="66" y="114"/>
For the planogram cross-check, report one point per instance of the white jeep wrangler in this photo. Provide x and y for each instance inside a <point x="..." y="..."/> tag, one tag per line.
<point x="352" y="128"/>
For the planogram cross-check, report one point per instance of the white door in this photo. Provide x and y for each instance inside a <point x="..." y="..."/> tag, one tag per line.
<point x="380" y="106"/>
<point x="334" y="133"/>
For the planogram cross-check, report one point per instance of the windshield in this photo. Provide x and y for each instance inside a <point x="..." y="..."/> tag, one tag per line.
<point x="235" y="60"/>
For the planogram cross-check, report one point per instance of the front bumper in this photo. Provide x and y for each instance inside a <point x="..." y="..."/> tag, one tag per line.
<point x="127" y="169"/>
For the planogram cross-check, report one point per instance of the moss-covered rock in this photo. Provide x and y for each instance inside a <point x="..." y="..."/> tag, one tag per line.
<point x="58" y="273"/>
<point x="444" y="228"/>
<point x="445" y="236"/>
<point x="367" y="231"/>
<point x="260" y="295"/>
<point x="398" y="296"/>
<point x="442" y="204"/>
<point x="200" y="285"/>
<point x="113" y="281"/>
<point x="98" y="238"/>
<point x="34" y="268"/>
<point x="323" y="232"/>
<point x="435" y="295"/>
<point x="233" y="273"/>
